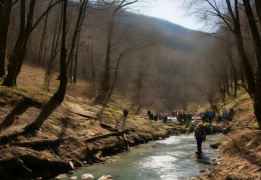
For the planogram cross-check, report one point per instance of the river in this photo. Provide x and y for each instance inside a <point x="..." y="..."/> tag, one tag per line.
<point x="170" y="159"/>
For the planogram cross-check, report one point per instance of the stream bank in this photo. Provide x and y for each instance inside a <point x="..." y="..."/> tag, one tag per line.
<point x="172" y="158"/>
<point x="62" y="138"/>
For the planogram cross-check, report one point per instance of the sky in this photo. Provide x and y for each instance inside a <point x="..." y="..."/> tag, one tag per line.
<point x="171" y="10"/>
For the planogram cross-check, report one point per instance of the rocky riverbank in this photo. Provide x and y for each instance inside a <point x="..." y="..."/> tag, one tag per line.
<point x="239" y="148"/>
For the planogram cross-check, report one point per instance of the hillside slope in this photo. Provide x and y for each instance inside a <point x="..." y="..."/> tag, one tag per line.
<point x="61" y="141"/>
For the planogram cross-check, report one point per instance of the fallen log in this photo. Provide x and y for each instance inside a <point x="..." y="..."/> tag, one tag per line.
<point x="120" y="133"/>
<point x="39" y="144"/>
<point x="86" y="116"/>
<point x="108" y="127"/>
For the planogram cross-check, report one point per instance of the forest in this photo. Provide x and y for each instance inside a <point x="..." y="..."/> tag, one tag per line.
<point x="101" y="56"/>
<point x="147" y="57"/>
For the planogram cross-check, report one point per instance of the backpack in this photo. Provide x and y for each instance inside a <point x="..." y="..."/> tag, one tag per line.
<point x="200" y="132"/>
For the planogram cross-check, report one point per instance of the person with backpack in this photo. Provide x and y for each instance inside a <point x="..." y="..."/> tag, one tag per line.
<point x="149" y="113"/>
<point x="165" y="119"/>
<point x="206" y="116"/>
<point x="200" y="134"/>
<point x="210" y="117"/>
<point x="125" y="113"/>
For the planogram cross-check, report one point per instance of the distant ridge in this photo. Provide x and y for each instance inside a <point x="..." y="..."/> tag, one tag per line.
<point x="166" y="25"/>
<point x="171" y="27"/>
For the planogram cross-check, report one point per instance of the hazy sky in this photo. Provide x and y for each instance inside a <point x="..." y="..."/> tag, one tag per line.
<point x="171" y="10"/>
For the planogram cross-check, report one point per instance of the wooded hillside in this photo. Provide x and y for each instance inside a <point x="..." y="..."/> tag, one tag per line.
<point x="152" y="62"/>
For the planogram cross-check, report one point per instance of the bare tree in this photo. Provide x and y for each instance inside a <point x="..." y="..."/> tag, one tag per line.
<point x="126" y="51"/>
<point x="76" y="32"/>
<point x="43" y="36"/>
<point x="258" y="10"/>
<point x="228" y="15"/>
<point x="54" y="50"/>
<point x="256" y="94"/>
<point x="58" y="97"/>
<point x="26" y="28"/>
<point x="117" y="7"/>
<point x="5" y="12"/>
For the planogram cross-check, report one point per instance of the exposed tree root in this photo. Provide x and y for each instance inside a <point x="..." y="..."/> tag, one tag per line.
<point x="29" y="165"/>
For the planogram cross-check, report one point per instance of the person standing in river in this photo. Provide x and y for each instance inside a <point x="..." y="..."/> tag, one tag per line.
<point x="200" y="134"/>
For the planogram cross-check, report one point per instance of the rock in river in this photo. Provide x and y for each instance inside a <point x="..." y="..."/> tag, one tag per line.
<point x="108" y="177"/>
<point x="88" y="176"/>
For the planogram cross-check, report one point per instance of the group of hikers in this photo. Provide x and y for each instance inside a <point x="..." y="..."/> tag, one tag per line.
<point x="208" y="116"/>
<point x="154" y="117"/>
<point x="226" y="116"/>
<point x="181" y="116"/>
<point x="200" y="130"/>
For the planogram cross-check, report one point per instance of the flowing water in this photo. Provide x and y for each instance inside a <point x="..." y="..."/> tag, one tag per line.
<point x="170" y="159"/>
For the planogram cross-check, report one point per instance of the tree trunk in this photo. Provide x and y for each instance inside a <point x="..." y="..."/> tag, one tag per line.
<point x="246" y="65"/>
<point x="138" y="93"/>
<point x="227" y="83"/>
<point x="235" y="83"/>
<point x="76" y="61"/>
<point x="5" y="12"/>
<point x="257" y="46"/>
<point x="105" y="83"/>
<point x="258" y="11"/>
<point x="28" y="31"/>
<point x="13" y="61"/>
<point x="58" y="97"/>
<point x="75" y="35"/>
<point x="242" y="75"/>
<point x="17" y="57"/>
<point x="233" y="72"/>
<point x="257" y="99"/>
<point x="92" y="67"/>
<point x="42" y="41"/>
<point x="114" y="80"/>
<point x="54" y="51"/>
